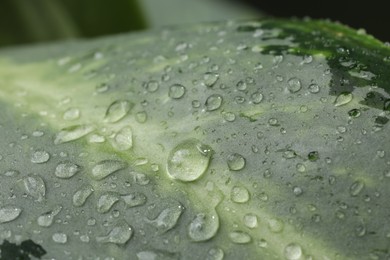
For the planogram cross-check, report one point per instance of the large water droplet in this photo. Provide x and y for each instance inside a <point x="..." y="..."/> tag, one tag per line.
<point x="239" y="194"/>
<point x="40" y="156"/>
<point x="250" y="220"/>
<point x="203" y="227"/>
<point x="106" y="167"/>
<point x="60" y="238"/>
<point x="275" y="225"/>
<point x="213" y="102"/>
<point x="123" y="140"/>
<point x="106" y="201"/>
<point x="356" y="188"/>
<point x="294" y="85"/>
<point x="176" y="91"/>
<point x="343" y="99"/>
<point x="239" y="237"/>
<point x="256" y="97"/>
<point x="46" y="219"/>
<point x="119" y="234"/>
<point x="117" y="110"/>
<point x="66" y="170"/>
<point x="35" y="187"/>
<point x="167" y="219"/>
<point x="9" y="213"/>
<point x="293" y="251"/>
<point x="81" y="196"/>
<point x="236" y="162"/>
<point x="210" y="78"/>
<point x="134" y="199"/>
<point x="215" y="254"/>
<point x="188" y="160"/>
<point x="72" y="133"/>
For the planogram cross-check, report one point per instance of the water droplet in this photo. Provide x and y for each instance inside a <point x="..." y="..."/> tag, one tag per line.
<point x="289" y="154"/>
<point x="81" y="195"/>
<point x="313" y="156"/>
<point x="11" y="173"/>
<point x="72" y="133"/>
<point x="203" y="227"/>
<point x="123" y="139"/>
<point x="250" y="220"/>
<point x="210" y="78"/>
<point x="215" y="254"/>
<point x="94" y="138"/>
<point x="9" y="213"/>
<point x="294" y="85"/>
<point x="71" y="114"/>
<point x="46" y="219"/>
<point x="176" y="91"/>
<point x="141" y="178"/>
<point x="297" y="191"/>
<point x="236" y="162"/>
<point x="35" y="187"/>
<point x="66" y="170"/>
<point x="275" y="225"/>
<point x="213" y="102"/>
<point x="119" y="234"/>
<point x="356" y="188"/>
<point x="239" y="237"/>
<point x="134" y="199"/>
<point x="239" y="194"/>
<point x="60" y="238"/>
<point x="188" y="160"/>
<point x="300" y="167"/>
<point x="293" y="251"/>
<point x="241" y="85"/>
<point x="256" y="97"/>
<point x="40" y="156"/>
<point x="106" y="167"/>
<point x="167" y="219"/>
<point x="314" y="88"/>
<point x="152" y="86"/>
<point x="229" y="116"/>
<point x="106" y="201"/>
<point x="262" y="243"/>
<point x="117" y="110"/>
<point x="273" y="122"/>
<point x="141" y="117"/>
<point x="343" y="99"/>
<point x="354" y="112"/>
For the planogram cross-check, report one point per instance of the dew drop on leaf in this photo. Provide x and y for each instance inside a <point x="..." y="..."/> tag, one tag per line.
<point x="9" y="213"/>
<point x="72" y="133"/>
<point x="215" y="253"/>
<point x="294" y="85"/>
<point x="46" y="219"/>
<point x="167" y="219"/>
<point x="81" y="195"/>
<point x="35" y="187"/>
<point x="65" y="170"/>
<point x="188" y="160"/>
<point x="356" y="188"/>
<point x="250" y="220"/>
<point x="40" y="156"/>
<point x="203" y="227"/>
<point x="107" y="167"/>
<point x="239" y="237"/>
<point x="71" y="114"/>
<point x="134" y="199"/>
<point x="152" y="86"/>
<point x="213" y="102"/>
<point x="275" y="225"/>
<point x="210" y="78"/>
<point x="123" y="139"/>
<point x="117" y="110"/>
<point x="60" y="238"/>
<point x="293" y="251"/>
<point x="119" y="234"/>
<point x="236" y="162"/>
<point x="176" y="91"/>
<point x="239" y="194"/>
<point x="343" y="99"/>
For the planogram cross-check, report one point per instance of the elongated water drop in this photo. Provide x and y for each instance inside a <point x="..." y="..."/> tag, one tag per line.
<point x="356" y="188"/>
<point x="210" y="78"/>
<point x="188" y="160"/>
<point x="106" y="201"/>
<point x="239" y="237"/>
<point x="46" y="219"/>
<point x="123" y="140"/>
<point x="343" y="99"/>
<point x="9" y="213"/>
<point x="167" y="219"/>
<point x="107" y="167"/>
<point x="134" y="199"/>
<point x="119" y="234"/>
<point x="81" y="195"/>
<point x="40" y="156"/>
<point x="213" y="102"/>
<point x="117" y="110"/>
<point x="204" y="226"/>
<point x="35" y="187"/>
<point x="66" y="170"/>
<point x="72" y="133"/>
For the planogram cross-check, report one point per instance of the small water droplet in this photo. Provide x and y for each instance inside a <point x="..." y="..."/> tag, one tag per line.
<point x="141" y="178"/>
<point x="313" y="156"/>
<point x="107" y="167"/>
<point x="293" y="251"/>
<point x="46" y="219"/>
<point x="134" y="199"/>
<point x="239" y="237"/>
<point x="141" y="117"/>
<point x="71" y="114"/>
<point x="300" y="167"/>
<point x="152" y="86"/>
<point x="215" y="254"/>
<point x="66" y="170"/>
<point x="81" y="195"/>
<point x="356" y="188"/>
<point x="213" y="102"/>
<point x="297" y="191"/>
<point x="343" y="99"/>
<point x="239" y="194"/>
<point x="289" y="154"/>
<point x="203" y="227"/>
<point x="256" y="98"/>
<point x="176" y="91"/>
<point x="273" y="122"/>
<point x="229" y="116"/>
<point x="314" y="88"/>
<point x="167" y="219"/>
<point x="123" y="139"/>
<point x="9" y="213"/>
<point x="275" y="225"/>
<point x="40" y="156"/>
<point x="106" y="201"/>
<point x="294" y="85"/>
<point x="119" y="234"/>
<point x="117" y="110"/>
<point x="236" y="162"/>
<point x="250" y="220"/>
<point x="188" y="160"/>
<point x="60" y="238"/>
<point x="210" y="78"/>
<point x="35" y="187"/>
<point x="241" y="85"/>
<point x="72" y="133"/>
<point x="354" y="112"/>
